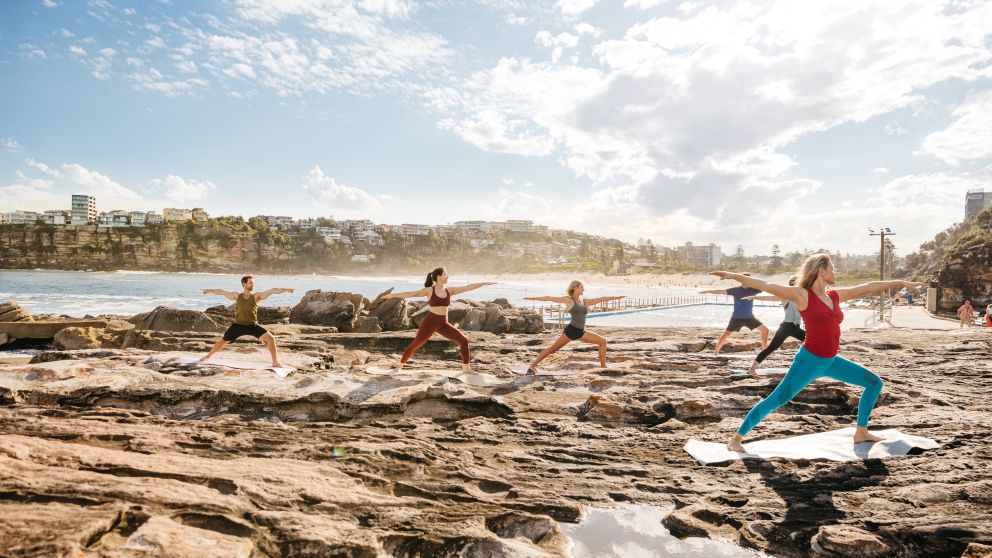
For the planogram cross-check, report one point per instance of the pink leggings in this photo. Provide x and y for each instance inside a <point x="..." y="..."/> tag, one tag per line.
<point x="436" y="323"/>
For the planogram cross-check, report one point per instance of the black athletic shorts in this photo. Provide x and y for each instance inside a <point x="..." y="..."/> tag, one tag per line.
<point x="736" y="324"/>
<point x="237" y="330"/>
<point x="573" y="332"/>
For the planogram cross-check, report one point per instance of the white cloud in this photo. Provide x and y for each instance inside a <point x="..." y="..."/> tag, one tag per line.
<point x="49" y="3"/>
<point x="970" y="136"/>
<point x="11" y="145"/>
<point x="155" y="42"/>
<point x="129" y="11"/>
<point x="41" y="194"/>
<point x="514" y="204"/>
<point x="240" y="71"/>
<point x="574" y="7"/>
<point x="326" y="192"/>
<point x="42" y="167"/>
<point x="643" y="4"/>
<point x="882" y="170"/>
<point x="77" y="50"/>
<point x="182" y="190"/>
<point x="493" y="131"/>
<point x="685" y="116"/>
<point x="65" y="33"/>
<point x="107" y="52"/>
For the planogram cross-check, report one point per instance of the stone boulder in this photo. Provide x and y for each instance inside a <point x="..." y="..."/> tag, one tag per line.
<point x="317" y="307"/>
<point x="164" y="318"/>
<point x="73" y="338"/>
<point x="524" y="320"/>
<point x="367" y="324"/>
<point x="393" y="314"/>
<point x="266" y="314"/>
<point x="11" y="311"/>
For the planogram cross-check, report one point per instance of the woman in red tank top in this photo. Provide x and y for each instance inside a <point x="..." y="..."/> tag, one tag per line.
<point x="817" y="358"/>
<point x="436" y="320"/>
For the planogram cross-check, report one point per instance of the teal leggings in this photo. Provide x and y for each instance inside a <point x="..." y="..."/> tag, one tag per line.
<point x="806" y="368"/>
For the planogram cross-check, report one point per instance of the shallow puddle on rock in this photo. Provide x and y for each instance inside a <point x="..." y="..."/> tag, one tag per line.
<point x="637" y="532"/>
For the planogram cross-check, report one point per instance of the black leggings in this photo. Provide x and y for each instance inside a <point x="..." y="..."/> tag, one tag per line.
<point x="785" y="330"/>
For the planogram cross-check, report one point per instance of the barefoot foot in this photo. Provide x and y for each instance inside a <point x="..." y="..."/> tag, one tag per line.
<point x="862" y="435"/>
<point x="736" y="444"/>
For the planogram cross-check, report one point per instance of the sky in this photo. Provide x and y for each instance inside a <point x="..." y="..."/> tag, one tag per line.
<point x="800" y="124"/>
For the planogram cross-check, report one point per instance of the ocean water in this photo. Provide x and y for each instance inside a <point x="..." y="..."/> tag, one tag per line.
<point x="78" y="293"/>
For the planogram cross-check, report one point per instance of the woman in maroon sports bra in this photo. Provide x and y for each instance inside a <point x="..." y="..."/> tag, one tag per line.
<point x="436" y="320"/>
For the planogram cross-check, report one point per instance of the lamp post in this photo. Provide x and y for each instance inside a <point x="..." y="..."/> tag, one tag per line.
<point x="882" y="233"/>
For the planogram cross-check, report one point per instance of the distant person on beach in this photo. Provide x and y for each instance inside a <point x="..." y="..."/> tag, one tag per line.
<point x="436" y="320"/>
<point x="246" y="317"/>
<point x="578" y="307"/>
<point x="822" y="314"/>
<point x="791" y="326"/>
<point x="743" y="315"/>
<point x="966" y="313"/>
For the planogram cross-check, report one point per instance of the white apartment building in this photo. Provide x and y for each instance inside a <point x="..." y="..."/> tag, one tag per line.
<point x="329" y="234"/>
<point x="281" y="221"/>
<point x="408" y="229"/>
<point x="199" y="215"/>
<point x="152" y="218"/>
<point x="308" y="223"/>
<point x="374" y="239"/>
<point x="473" y="226"/>
<point x="115" y="218"/>
<point x="520" y="225"/>
<point x="56" y="217"/>
<point x="83" y="209"/>
<point x="21" y="218"/>
<point x="4" y="218"/>
<point x="706" y="256"/>
<point x="170" y="214"/>
<point x="137" y="218"/>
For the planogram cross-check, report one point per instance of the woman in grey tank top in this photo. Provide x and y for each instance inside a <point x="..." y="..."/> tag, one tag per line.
<point x="791" y="326"/>
<point x="578" y="307"/>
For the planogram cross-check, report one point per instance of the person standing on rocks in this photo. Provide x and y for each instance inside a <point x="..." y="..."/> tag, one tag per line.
<point x="246" y="317"/>
<point x="988" y="316"/>
<point x="743" y="315"/>
<point x="436" y="320"/>
<point x="791" y="326"/>
<point x="966" y="313"/>
<point x="578" y="307"/>
<point x="820" y="310"/>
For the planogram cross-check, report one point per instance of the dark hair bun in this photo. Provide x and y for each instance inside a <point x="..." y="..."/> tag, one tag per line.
<point x="430" y="280"/>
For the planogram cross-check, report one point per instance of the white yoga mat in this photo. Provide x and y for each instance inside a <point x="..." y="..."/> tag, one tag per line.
<point x="522" y="370"/>
<point x="835" y="445"/>
<point x="239" y="364"/>
<point x="761" y="371"/>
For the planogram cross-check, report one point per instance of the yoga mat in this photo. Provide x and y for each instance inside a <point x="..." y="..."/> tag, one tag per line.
<point x="761" y="371"/>
<point x="835" y="445"/>
<point x="522" y="370"/>
<point x="239" y="364"/>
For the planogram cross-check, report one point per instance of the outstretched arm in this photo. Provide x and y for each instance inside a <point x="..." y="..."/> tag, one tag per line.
<point x="230" y="295"/>
<point x="784" y="292"/>
<point x="426" y="291"/>
<point x="595" y="301"/>
<point x="714" y="291"/>
<point x="558" y="299"/>
<point x="469" y="287"/>
<point x="762" y="297"/>
<point x="259" y="297"/>
<point x="872" y="287"/>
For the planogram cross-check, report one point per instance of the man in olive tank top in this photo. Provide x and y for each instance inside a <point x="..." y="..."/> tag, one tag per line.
<point x="246" y="320"/>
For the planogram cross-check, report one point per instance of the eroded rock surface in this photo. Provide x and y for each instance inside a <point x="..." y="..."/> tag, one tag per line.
<point x="127" y="452"/>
